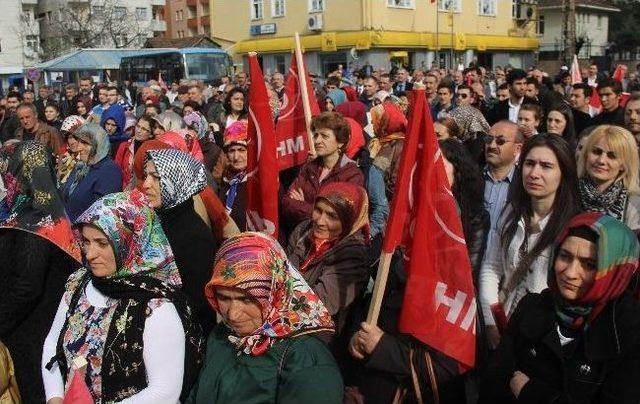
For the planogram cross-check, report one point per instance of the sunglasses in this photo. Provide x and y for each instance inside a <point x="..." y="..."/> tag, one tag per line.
<point x="500" y="141"/>
<point x="599" y="152"/>
<point x="462" y="95"/>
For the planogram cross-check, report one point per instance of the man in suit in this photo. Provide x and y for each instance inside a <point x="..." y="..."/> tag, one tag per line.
<point x="402" y="83"/>
<point x="44" y="92"/>
<point x="580" y="98"/>
<point x="509" y="108"/>
<point x="593" y="76"/>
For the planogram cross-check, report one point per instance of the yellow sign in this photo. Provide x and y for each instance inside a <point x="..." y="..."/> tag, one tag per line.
<point x="329" y="43"/>
<point x="460" y="42"/>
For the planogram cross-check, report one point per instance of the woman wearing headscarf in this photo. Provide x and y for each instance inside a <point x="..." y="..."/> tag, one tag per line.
<point x="334" y="98"/>
<point x="331" y="136"/>
<point x="113" y="121"/>
<point x="172" y="178"/>
<point x="389" y="127"/>
<point x="473" y="126"/>
<point x="124" y="312"/>
<point x="213" y="157"/>
<point x="206" y="203"/>
<point x="233" y="188"/>
<point x="608" y="172"/>
<point x="67" y="161"/>
<point x="265" y="349"/>
<point x="37" y="254"/>
<point x="330" y="251"/>
<point x="578" y="340"/>
<point x="94" y="174"/>
<point x="143" y="130"/>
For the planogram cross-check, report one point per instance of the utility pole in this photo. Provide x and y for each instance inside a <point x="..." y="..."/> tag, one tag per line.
<point x="568" y="30"/>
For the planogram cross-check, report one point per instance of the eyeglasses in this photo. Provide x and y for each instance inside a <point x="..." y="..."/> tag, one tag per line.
<point x="599" y="152"/>
<point x="500" y="141"/>
<point x="462" y="95"/>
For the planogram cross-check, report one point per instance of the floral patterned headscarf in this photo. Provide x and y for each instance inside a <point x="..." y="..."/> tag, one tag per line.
<point x="137" y="238"/>
<point x="257" y="265"/>
<point x="32" y="202"/>
<point x="181" y="176"/>
<point x="197" y="122"/>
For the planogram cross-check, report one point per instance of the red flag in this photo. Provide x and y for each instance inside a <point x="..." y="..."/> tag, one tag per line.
<point x="576" y="76"/>
<point x="291" y="130"/>
<point x="439" y="305"/>
<point x="262" y="165"/>
<point x="618" y="75"/>
<point x="78" y="392"/>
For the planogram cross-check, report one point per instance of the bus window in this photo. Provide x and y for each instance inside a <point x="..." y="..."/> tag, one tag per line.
<point x="206" y="66"/>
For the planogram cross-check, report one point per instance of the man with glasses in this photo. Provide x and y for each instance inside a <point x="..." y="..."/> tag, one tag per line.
<point x="464" y="95"/>
<point x="502" y="148"/>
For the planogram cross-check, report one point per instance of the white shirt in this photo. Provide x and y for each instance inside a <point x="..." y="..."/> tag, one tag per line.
<point x="496" y="270"/>
<point x="513" y="110"/>
<point x="163" y="353"/>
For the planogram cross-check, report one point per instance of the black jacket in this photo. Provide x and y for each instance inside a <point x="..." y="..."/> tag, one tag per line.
<point x="407" y="86"/>
<point x="33" y="272"/>
<point x="615" y="117"/>
<point x="600" y="366"/>
<point x="500" y="110"/>
<point x="194" y="249"/>
<point x="581" y="121"/>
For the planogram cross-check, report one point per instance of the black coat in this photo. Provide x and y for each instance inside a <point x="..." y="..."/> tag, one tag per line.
<point x="600" y="366"/>
<point x="407" y="86"/>
<point x="33" y="273"/>
<point x="581" y="121"/>
<point x="388" y="367"/>
<point x="500" y="110"/>
<point x="194" y="249"/>
<point x="615" y="117"/>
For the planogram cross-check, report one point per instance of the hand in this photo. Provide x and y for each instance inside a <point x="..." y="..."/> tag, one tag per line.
<point x="214" y="127"/>
<point x="354" y="347"/>
<point x="526" y="132"/>
<point x="517" y="382"/>
<point x="368" y="337"/>
<point x="297" y="194"/>
<point x="55" y="400"/>
<point x="493" y="336"/>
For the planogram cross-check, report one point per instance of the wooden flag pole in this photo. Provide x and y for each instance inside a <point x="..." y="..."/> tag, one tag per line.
<point x="379" y="287"/>
<point x="302" y="81"/>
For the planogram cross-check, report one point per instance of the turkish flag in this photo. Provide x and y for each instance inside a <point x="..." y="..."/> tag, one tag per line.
<point x="291" y="129"/>
<point x="439" y="306"/>
<point x="262" y="164"/>
<point x="618" y="75"/>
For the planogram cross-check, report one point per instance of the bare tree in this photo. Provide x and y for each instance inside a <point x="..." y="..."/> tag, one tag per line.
<point x="91" y="24"/>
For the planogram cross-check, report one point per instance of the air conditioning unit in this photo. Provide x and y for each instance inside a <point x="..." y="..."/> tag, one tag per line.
<point x="315" y="22"/>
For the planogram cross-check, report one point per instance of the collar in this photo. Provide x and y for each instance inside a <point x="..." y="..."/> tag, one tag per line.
<point x="514" y="106"/>
<point x="489" y="176"/>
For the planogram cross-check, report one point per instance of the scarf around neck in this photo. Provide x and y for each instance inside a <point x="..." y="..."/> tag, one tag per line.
<point x="617" y="261"/>
<point x="612" y="201"/>
<point x="146" y="270"/>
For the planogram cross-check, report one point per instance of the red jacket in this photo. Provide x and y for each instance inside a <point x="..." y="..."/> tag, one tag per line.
<point x="308" y="181"/>
<point x="124" y="160"/>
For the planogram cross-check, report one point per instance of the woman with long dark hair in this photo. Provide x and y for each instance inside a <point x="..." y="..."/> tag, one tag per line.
<point x="560" y="122"/>
<point x="467" y="186"/>
<point x="543" y="198"/>
<point x="236" y="108"/>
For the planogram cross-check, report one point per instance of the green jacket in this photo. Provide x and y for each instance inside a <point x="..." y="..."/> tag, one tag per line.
<point x="308" y="374"/>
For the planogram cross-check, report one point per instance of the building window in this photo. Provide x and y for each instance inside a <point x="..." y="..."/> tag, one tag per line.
<point x="401" y="4"/>
<point x="487" y="7"/>
<point x="316" y="6"/>
<point x="278" y="8"/>
<point x="599" y="23"/>
<point x="256" y="9"/>
<point x="32" y="42"/>
<point x="141" y="13"/>
<point x="280" y="66"/>
<point x="119" y="12"/>
<point x="540" y="26"/>
<point x="98" y="12"/>
<point x="450" y="5"/>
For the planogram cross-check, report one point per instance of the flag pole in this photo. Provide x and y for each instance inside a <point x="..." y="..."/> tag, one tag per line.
<point x="302" y="80"/>
<point x="379" y="287"/>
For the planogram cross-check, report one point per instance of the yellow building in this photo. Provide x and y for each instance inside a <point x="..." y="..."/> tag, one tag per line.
<point x="419" y="33"/>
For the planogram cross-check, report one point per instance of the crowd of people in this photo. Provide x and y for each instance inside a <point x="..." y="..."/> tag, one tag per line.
<point x="128" y="273"/>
